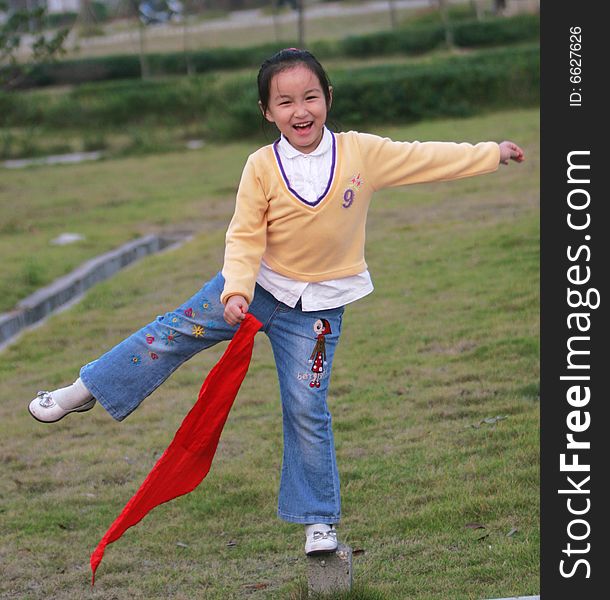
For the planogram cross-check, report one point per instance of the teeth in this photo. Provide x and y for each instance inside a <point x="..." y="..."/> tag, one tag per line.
<point x="302" y="125"/>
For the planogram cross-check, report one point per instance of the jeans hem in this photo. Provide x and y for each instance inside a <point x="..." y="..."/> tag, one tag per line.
<point x="95" y="392"/>
<point x="308" y="519"/>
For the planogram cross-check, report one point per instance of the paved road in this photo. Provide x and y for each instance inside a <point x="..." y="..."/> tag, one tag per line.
<point x="252" y="18"/>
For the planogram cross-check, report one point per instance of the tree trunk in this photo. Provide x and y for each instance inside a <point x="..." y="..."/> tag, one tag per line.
<point x="478" y="8"/>
<point x="144" y="70"/>
<point x="393" y="18"/>
<point x="301" y="21"/>
<point x="499" y="7"/>
<point x="276" y="25"/>
<point x="442" y="7"/>
<point x="186" y="43"/>
<point x="86" y="16"/>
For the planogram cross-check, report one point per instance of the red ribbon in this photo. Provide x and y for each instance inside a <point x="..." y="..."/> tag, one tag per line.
<point x="188" y="458"/>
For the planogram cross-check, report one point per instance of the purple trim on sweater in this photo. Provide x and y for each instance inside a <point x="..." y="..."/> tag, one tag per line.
<point x="287" y="182"/>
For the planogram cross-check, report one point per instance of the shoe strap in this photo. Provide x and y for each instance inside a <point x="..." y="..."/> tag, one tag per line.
<point x="45" y="399"/>
<point x="331" y="534"/>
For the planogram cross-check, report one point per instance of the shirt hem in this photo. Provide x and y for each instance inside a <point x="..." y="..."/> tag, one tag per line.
<point x="331" y="305"/>
<point x="316" y="277"/>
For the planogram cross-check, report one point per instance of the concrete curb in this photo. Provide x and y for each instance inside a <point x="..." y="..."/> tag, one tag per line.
<point x="330" y="573"/>
<point x="67" y="290"/>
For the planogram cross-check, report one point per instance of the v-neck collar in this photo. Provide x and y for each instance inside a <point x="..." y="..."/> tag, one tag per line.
<point x="330" y="177"/>
<point x="287" y="150"/>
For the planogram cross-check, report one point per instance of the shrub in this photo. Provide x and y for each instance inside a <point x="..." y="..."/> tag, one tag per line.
<point x="410" y="40"/>
<point x="497" y="31"/>
<point x="449" y="87"/>
<point x="454" y="86"/>
<point x="63" y="19"/>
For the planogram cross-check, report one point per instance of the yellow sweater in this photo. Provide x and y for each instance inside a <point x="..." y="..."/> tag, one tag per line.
<point x="321" y="240"/>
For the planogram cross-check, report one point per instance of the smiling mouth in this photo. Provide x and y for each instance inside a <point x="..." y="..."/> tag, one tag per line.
<point x="303" y="127"/>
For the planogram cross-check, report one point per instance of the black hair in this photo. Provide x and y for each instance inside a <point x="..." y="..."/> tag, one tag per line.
<point x="286" y="59"/>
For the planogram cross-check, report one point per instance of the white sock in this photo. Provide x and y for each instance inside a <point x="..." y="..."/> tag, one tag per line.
<point x="72" y="396"/>
<point x="323" y="527"/>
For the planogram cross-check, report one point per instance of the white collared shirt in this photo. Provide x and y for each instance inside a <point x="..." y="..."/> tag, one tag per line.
<point x="308" y="175"/>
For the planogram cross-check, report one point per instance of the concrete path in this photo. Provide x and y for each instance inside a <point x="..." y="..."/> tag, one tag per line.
<point x="246" y="19"/>
<point x="54" y="159"/>
<point x="65" y="291"/>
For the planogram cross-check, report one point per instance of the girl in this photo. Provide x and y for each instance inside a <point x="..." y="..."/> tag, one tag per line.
<point x="294" y="258"/>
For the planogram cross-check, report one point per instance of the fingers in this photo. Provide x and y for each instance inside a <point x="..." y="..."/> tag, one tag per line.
<point x="232" y="317"/>
<point x="235" y="310"/>
<point x="516" y="152"/>
<point x="510" y="151"/>
<point x="520" y="155"/>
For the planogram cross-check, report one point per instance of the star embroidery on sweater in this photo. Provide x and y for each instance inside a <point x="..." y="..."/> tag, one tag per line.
<point x="356" y="181"/>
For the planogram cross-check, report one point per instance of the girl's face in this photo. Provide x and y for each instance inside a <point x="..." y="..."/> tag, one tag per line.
<point x="297" y="106"/>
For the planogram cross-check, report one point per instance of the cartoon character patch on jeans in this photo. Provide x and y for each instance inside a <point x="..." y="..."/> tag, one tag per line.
<point x="318" y="356"/>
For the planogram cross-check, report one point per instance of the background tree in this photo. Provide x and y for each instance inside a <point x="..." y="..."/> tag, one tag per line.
<point x="442" y="7"/>
<point x="301" y="22"/>
<point x="393" y="17"/>
<point x="86" y="15"/>
<point x="499" y="7"/>
<point x="134" y="10"/>
<point x="478" y="8"/>
<point x="189" y="8"/>
<point x="26" y="40"/>
<point x="275" y="9"/>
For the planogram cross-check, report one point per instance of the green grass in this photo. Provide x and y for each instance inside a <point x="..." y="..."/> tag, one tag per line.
<point x="448" y="339"/>
<point x="109" y="202"/>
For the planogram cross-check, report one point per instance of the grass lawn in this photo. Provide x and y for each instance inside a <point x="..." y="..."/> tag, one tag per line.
<point x="434" y="393"/>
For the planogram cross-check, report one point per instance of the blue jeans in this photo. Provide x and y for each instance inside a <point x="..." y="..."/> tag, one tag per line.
<point x="303" y="346"/>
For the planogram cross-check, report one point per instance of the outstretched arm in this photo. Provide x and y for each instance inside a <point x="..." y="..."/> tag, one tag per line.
<point x="391" y="164"/>
<point x="510" y="151"/>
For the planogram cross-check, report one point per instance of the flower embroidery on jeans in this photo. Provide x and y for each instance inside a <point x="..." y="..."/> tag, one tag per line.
<point x="198" y="331"/>
<point x="175" y="321"/>
<point x="135" y="359"/>
<point x="189" y="312"/>
<point x="153" y="355"/>
<point x="170" y="337"/>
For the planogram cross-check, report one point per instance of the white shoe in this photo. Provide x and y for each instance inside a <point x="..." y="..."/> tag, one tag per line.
<point x="50" y="407"/>
<point x="320" y="539"/>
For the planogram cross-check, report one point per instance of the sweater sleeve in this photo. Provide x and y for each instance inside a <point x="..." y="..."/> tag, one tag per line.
<point x="246" y="237"/>
<point x="392" y="163"/>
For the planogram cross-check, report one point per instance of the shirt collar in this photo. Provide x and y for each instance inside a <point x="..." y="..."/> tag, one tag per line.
<point x="289" y="151"/>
